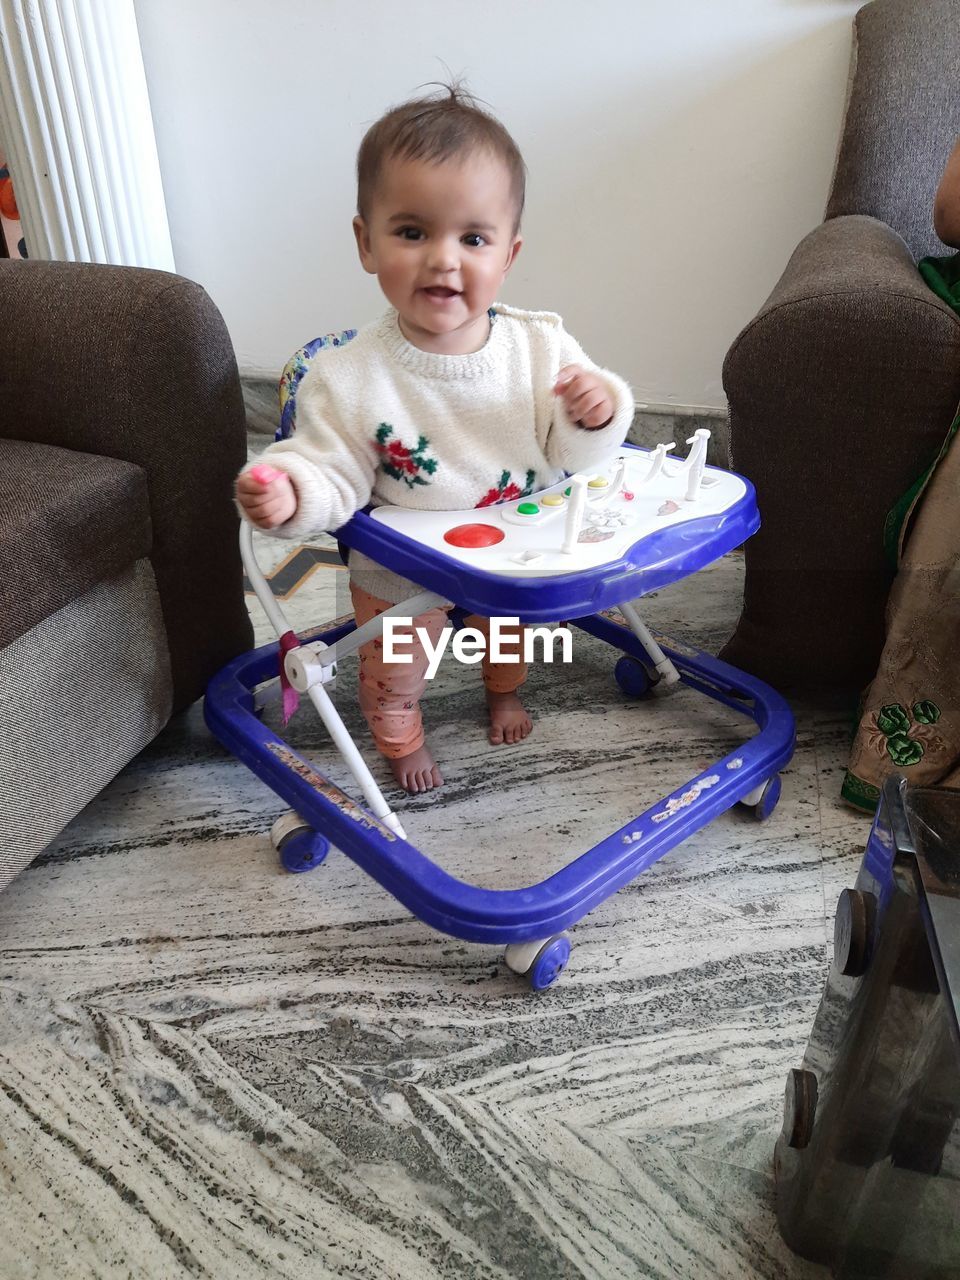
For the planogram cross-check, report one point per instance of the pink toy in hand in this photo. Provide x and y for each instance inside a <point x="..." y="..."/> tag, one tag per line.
<point x="264" y="474"/>
<point x="266" y="496"/>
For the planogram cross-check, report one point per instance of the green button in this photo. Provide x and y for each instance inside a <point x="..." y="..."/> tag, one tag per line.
<point x="528" y="508"/>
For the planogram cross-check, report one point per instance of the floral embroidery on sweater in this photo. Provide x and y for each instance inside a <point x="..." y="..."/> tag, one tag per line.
<point x="508" y="490"/>
<point x="401" y="463"/>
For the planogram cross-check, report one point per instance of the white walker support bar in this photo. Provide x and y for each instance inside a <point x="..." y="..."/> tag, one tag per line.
<point x="261" y="587"/>
<point x="306" y="666"/>
<point x="663" y="664"/>
<point x="316" y="692"/>
<point x="316" y="663"/>
<point x="373" y="629"/>
<point x="355" y="762"/>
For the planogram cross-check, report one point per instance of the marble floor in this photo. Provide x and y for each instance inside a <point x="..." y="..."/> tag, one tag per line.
<point x="212" y="1068"/>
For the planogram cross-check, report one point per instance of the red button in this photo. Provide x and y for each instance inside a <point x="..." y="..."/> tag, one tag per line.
<point x="473" y="535"/>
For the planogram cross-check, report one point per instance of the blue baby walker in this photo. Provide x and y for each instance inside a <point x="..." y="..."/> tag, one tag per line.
<point x="583" y="551"/>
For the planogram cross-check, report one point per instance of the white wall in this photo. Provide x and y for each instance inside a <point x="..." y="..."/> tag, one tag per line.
<point x="677" y="152"/>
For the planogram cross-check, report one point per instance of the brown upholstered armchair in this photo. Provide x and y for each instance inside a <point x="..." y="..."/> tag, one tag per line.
<point x="121" y="430"/>
<point x="842" y="388"/>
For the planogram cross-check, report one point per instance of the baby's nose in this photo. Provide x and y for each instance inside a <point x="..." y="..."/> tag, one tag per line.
<point x="445" y="255"/>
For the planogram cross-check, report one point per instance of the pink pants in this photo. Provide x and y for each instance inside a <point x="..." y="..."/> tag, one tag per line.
<point x="390" y="692"/>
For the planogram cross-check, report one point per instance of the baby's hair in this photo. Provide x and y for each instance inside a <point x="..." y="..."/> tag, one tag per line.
<point x="436" y="128"/>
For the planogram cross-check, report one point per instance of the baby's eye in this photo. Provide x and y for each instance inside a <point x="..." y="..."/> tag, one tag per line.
<point x="474" y="240"/>
<point x="409" y="233"/>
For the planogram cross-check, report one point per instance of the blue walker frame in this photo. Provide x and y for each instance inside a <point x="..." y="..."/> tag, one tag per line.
<point x="530" y="921"/>
<point x="540" y="913"/>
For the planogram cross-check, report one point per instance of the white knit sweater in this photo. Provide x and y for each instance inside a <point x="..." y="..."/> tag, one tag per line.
<point x="381" y="422"/>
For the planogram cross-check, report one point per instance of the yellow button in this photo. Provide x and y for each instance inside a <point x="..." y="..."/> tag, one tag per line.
<point x="598" y="482"/>
<point x="552" y="500"/>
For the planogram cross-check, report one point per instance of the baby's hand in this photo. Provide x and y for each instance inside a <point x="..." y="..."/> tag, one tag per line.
<point x="585" y="396"/>
<point x="267" y="496"/>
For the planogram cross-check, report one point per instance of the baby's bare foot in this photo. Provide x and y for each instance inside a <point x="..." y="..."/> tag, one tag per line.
<point x="509" y="721"/>
<point x="417" y="772"/>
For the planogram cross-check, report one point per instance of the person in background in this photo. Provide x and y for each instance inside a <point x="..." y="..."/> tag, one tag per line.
<point x="946" y="206"/>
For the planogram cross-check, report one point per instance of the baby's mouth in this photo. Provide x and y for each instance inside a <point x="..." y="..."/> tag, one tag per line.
<point x="441" y="291"/>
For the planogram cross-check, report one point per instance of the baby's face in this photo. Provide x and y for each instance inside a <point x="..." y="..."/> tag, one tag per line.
<point x="440" y="238"/>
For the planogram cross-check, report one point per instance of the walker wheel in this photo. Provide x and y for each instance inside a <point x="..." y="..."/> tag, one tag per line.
<point x="299" y="846"/>
<point x="541" y="963"/>
<point x="633" y="677"/>
<point x="550" y="962"/>
<point x="303" y="851"/>
<point x="769" y="798"/>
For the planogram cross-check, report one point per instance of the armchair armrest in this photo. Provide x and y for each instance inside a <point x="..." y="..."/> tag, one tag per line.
<point x="841" y="391"/>
<point x="854" y="255"/>
<point x="137" y="365"/>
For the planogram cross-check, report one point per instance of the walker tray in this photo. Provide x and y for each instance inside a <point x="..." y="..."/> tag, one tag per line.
<point x="637" y="536"/>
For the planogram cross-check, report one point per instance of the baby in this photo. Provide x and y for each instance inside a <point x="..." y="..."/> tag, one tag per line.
<point x="450" y="400"/>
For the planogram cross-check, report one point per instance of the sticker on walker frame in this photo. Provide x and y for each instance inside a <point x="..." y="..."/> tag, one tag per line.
<point x="676" y="803"/>
<point x="325" y="626"/>
<point x="327" y="789"/>
<point x="667" y="642"/>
